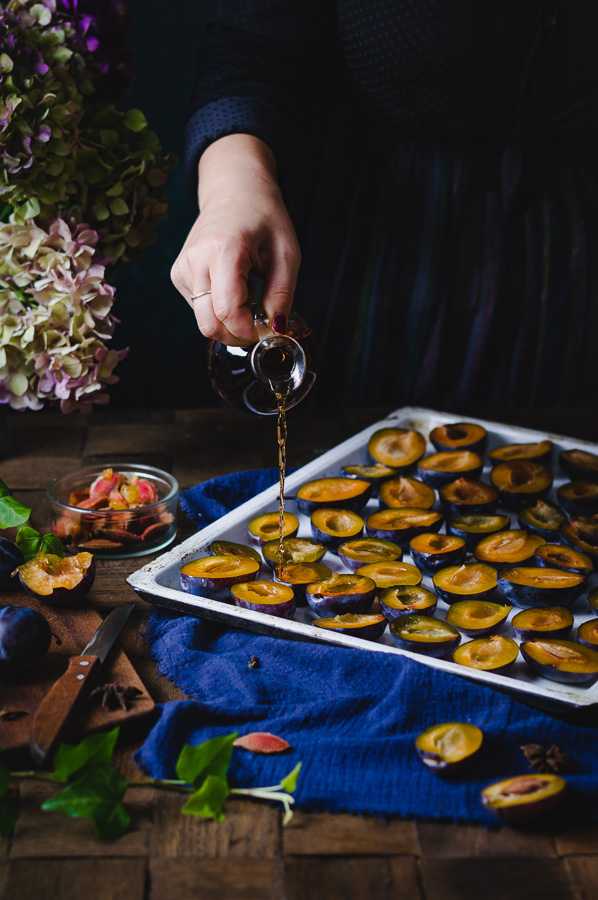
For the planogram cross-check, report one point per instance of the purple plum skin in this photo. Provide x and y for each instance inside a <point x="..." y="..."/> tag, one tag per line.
<point x="366" y="632"/>
<point x="10" y="558"/>
<point x="432" y="562"/>
<point x="285" y="609"/>
<point x="437" y="480"/>
<point x="339" y="604"/>
<point x="214" y="588"/>
<point x="25" y="636"/>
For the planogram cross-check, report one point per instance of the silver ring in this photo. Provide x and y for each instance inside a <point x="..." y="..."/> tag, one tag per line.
<point x="197" y="296"/>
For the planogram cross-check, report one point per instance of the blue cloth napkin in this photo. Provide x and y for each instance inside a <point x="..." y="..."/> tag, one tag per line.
<point x="351" y="716"/>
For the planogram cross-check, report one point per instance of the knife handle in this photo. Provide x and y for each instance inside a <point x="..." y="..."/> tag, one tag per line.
<point x="59" y="705"/>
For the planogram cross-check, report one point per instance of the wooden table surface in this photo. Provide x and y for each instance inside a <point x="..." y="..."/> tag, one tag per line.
<point x="168" y="856"/>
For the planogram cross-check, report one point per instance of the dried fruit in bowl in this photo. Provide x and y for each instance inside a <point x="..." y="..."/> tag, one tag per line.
<point x="115" y="490"/>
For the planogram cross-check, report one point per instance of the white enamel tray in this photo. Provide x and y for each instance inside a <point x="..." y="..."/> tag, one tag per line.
<point x="158" y="582"/>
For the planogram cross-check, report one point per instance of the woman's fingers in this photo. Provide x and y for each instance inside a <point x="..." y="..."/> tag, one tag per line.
<point x="280" y="283"/>
<point x="230" y="295"/>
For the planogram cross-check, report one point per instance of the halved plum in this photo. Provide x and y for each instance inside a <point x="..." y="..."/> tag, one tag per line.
<point x="495" y="653"/>
<point x="587" y="633"/>
<point x="579" y="464"/>
<point x="466" y="496"/>
<point x="299" y="575"/>
<point x="431" y="552"/>
<point x="579" y="498"/>
<point x="508" y="548"/>
<point x="337" y="493"/>
<point x="593" y="599"/>
<point x="520" y="480"/>
<point x="540" y="452"/>
<point x="559" y="660"/>
<point x="341" y="594"/>
<point x="541" y="517"/>
<point x="424" y="634"/>
<point x="460" y="436"/>
<point x="556" y="556"/>
<point x="405" y="599"/>
<point x="524" y="798"/>
<point x="332" y="527"/>
<point x="391" y="574"/>
<point x="294" y="550"/>
<point x="399" y="448"/>
<point x="266" y="527"/>
<point x="397" y="493"/>
<point x="369" y="627"/>
<point x="475" y="581"/>
<point x="581" y="533"/>
<point x="477" y="617"/>
<point x="400" y="525"/>
<point x="449" y="748"/>
<point x="528" y="586"/>
<point x="231" y="548"/>
<point x="542" y="621"/>
<point x="473" y="528"/>
<point x="60" y="581"/>
<point x="376" y="473"/>
<point x="213" y="576"/>
<point x="439" y="469"/>
<point x="265" y="597"/>
<point x="362" y="551"/>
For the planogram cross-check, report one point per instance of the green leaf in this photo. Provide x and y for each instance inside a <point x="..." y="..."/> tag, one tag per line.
<point x="209" y="799"/>
<point x="95" y="795"/>
<point x="12" y="513"/>
<point x="97" y="749"/>
<point x="289" y="783"/>
<point x="4" y="780"/>
<point x="30" y="542"/>
<point x="9" y="815"/>
<point x="210" y="758"/>
<point x="135" y="120"/>
<point x="118" y="206"/>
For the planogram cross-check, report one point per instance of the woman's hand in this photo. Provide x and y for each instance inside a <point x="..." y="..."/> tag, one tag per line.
<point x="243" y="227"/>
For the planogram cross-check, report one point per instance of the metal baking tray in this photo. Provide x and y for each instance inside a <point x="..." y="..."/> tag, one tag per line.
<point x="158" y="582"/>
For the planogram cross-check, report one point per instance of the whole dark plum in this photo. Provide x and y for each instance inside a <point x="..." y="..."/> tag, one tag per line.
<point x="24" y="638"/>
<point x="10" y="558"/>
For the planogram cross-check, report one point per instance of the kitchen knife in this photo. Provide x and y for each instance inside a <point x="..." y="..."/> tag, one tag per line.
<point x="63" y="700"/>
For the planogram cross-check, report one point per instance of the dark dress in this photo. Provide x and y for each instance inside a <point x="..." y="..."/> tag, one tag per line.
<point x="439" y="161"/>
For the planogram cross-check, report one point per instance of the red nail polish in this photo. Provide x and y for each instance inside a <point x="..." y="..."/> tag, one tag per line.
<point x="279" y="324"/>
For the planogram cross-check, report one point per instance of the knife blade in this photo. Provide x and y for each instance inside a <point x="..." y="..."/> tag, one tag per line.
<point x="64" y="698"/>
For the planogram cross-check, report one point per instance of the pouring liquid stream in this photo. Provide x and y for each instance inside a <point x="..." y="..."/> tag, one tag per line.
<point x="281" y="435"/>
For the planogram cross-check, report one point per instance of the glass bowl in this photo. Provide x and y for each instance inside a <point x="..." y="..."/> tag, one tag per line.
<point x="114" y="533"/>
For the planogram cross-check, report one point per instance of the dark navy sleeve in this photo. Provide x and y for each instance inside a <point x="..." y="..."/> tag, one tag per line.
<point x="256" y="75"/>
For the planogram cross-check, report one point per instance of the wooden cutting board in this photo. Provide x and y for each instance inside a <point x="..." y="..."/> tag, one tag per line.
<point x="23" y="693"/>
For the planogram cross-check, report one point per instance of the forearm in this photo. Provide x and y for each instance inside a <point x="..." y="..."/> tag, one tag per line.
<point x="231" y="160"/>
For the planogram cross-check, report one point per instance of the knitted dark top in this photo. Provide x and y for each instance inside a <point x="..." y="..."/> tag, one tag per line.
<point x="439" y="161"/>
<point x="428" y="69"/>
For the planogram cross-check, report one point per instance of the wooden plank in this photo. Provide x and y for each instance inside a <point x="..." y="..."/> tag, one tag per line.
<point x="210" y="879"/>
<point x="453" y="841"/>
<point x="322" y="834"/>
<point x="250" y="830"/>
<point x="577" y="841"/>
<point x="497" y="879"/>
<point x="584" y="875"/>
<point x="126" y="438"/>
<point x="75" y="879"/>
<point x="42" y="833"/>
<point x="382" y="878"/>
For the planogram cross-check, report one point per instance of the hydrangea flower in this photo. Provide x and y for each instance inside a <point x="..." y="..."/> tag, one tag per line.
<point x="55" y="316"/>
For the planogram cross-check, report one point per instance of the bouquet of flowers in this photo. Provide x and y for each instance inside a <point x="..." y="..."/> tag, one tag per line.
<point x="82" y="188"/>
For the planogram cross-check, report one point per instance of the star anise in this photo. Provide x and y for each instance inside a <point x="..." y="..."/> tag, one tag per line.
<point x="114" y="695"/>
<point x="551" y="760"/>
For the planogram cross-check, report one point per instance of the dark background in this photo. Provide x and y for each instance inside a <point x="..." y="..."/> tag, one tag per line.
<point x="166" y="361"/>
